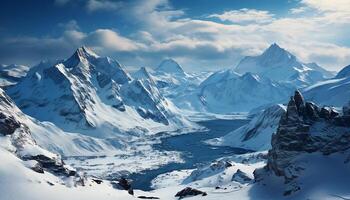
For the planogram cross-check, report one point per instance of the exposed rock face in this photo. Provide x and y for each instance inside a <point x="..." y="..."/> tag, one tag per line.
<point x="8" y="123"/>
<point x="190" y="192"/>
<point x="53" y="165"/>
<point x="124" y="184"/>
<point x="305" y="128"/>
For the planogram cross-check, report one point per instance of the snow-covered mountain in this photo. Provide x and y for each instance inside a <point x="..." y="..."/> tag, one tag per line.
<point x="334" y="92"/>
<point x="278" y="64"/>
<point x="256" y="135"/>
<point x="170" y="66"/>
<point x="11" y="74"/>
<point x="171" y="79"/>
<point x="227" y="92"/>
<point x="52" y="138"/>
<point x="96" y="96"/>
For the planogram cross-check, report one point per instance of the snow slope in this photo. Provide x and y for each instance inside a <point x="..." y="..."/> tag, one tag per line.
<point x="278" y="64"/>
<point x="333" y="92"/>
<point x="256" y="135"/>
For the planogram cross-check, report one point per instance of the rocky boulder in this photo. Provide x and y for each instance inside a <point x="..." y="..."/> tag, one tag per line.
<point x="188" y="192"/>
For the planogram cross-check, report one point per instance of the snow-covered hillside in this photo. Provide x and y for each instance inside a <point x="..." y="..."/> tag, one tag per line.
<point x="256" y="135"/>
<point x="11" y="74"/>
<point x="95" y="96"/>
<point x="334" y="92"/>
<point x="278" y="64"/>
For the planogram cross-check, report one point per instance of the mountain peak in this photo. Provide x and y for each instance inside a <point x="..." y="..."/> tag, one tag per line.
<point x="142" y="73"/>
<point x="85" y="52"/>
<point x="170" y="66"/>
<point x="80" y="55"/>
<point x="276" y="50"/>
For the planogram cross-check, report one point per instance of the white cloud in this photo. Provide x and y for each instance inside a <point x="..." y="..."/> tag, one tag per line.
<point x="245" y="16"/>
<point x="299" y="10"/>
<point x="95" y="5"/>
<point x="70" y="25"/>
<point x="312" y="35"/>
<point x="306" y="36"/>
<point x="328" y="5"/>
<point x="110" y="40"/>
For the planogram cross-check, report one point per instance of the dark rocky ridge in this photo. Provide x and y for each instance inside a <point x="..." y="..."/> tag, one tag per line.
<point x="299" y="132"/>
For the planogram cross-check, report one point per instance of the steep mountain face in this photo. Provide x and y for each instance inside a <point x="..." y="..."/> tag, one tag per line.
<point x="94" y="95"/>
<point x="310" y="137"/>
<point x="334" y="92"/>
<point x="225" y="92"/>
<point x="278" y="64"/>
<point x="11" y="74"/>
<point x="256" y="135"/>
<point x="49" y="136"/>
<point x="143" y="73"/>
<point x="15" y="137"/>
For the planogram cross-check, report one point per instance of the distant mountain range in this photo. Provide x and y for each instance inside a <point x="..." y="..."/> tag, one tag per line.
<point x="256" y="81"/>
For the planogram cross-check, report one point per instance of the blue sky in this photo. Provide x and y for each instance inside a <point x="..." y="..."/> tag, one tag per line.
<point x="200" y="35"/>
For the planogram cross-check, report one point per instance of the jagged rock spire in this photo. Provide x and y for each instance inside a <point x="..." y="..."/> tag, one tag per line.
<point x="299" y="99"/>
<point x="292" y="110"/>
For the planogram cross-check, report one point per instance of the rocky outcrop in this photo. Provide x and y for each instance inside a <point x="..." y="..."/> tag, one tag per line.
<point x="188" y="191"/>
<point x="241" y="177"/>
<point x="124" y="184"/>
<point x="306" y="128"/>
<point x="54" y="165"/>
<point x="8" y="125"/>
